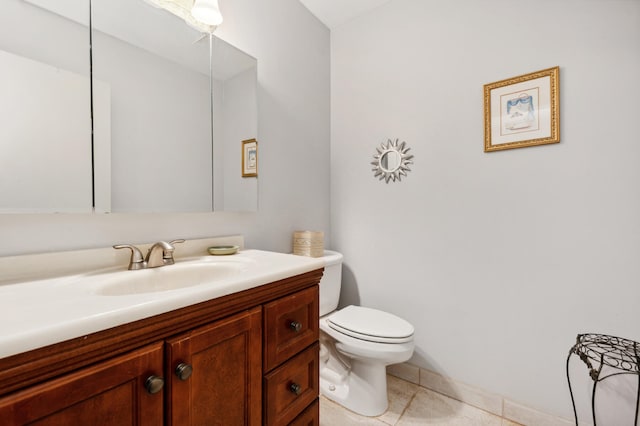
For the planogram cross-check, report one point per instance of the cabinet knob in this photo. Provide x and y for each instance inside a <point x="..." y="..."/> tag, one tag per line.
<point x="295" y="326"/>
<point x="154" y="384"/>
<point x="295" y="388"/>
<point x="183" y="371"/>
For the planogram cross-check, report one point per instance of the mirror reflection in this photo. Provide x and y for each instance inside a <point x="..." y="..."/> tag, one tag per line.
<point x="162" y="142"/>
<point x="390" y="161"/>
<point x="45" y="165"/>
<point x="172" y="142"/>
<point x="155" y="110"/>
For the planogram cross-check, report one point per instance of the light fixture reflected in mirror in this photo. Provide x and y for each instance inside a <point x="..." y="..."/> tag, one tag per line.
<point x="392" y="161"/>
<point x="207" y="12"/>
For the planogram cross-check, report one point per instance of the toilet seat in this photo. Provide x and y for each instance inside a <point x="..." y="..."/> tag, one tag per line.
<point x="371" y="325"/>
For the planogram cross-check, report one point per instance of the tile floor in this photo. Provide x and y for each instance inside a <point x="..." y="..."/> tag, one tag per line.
<point x="410" y="404"/>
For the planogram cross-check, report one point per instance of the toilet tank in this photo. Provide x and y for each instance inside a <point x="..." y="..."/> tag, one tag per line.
<point x="331" y="282"/>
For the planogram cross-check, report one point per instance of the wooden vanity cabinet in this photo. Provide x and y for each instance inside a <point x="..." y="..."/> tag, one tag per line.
<point x="227" y="361"/>
<point x="291" y="356"/>
<point x="309" y="417"/>
<point x="214" y="373"/>
<point x="111" y="392"/>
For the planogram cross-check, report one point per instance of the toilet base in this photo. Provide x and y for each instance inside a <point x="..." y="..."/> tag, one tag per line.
<point x="360" y="386"/>
<point x="362" y="390"/>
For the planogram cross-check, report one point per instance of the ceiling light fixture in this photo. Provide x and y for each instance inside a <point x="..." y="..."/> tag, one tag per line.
<point x="207" y="12"/>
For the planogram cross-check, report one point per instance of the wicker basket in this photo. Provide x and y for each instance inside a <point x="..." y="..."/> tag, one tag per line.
<point x="308" y="243"/>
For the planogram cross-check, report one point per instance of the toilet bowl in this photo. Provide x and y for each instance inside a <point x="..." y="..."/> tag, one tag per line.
<point x="356" y="345"/>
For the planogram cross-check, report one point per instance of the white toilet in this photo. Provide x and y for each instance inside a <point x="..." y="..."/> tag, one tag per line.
<point x="356" y="345"/>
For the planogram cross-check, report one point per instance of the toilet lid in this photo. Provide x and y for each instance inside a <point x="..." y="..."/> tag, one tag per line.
<point x="371" y="324"/>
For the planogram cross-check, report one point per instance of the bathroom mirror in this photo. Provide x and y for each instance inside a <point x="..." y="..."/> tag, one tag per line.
<point x="156" y="147"/>
<point x="45" y="136"/>
<point x="158" y="116"/>
<point x="167" y="155"/>
<point x="392" y="161"/>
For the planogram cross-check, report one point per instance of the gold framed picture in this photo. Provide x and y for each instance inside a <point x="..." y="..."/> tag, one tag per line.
<point x="250" y="158"/>
<point x="522" y="111"/>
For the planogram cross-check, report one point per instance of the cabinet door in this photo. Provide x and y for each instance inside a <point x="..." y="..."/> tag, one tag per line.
<point x="215" y="373"/>
<point x="111" y="392"/>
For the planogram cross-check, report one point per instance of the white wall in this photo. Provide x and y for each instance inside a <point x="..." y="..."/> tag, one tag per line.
<point x="292" y="49"/>
<point x="498" y="259"/>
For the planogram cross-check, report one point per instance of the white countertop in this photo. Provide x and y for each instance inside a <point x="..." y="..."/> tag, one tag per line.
<point x="41" y="312"/>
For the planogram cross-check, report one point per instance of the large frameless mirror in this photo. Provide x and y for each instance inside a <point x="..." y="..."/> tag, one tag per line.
<point x="152" y="105"/>
<point x="45" y="149"/>
<point x="162" y="140"/>
<point x="174" y="146"/>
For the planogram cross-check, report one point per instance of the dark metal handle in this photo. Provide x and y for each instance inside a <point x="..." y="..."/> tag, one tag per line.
<point x="183" y="371"/>
<point x="295" y="388"/>
<point x="295" y="326"/>
<point x="154" y="384"/>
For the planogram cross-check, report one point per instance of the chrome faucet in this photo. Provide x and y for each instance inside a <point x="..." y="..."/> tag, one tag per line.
<point x="155" y="256"/>
<point x="136" y="261"/>
<point x="160" y="254"/>
<point x="167" y="255"/>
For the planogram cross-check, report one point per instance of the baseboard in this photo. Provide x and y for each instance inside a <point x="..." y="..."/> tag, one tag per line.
<point x="480" y="398"/>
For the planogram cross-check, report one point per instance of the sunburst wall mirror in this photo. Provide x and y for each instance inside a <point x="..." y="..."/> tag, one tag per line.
<point x="392" y="161"/>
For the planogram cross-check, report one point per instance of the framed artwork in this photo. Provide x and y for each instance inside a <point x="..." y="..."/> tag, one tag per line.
<point x="522" y="111"/>
<point x="250" y="158"/>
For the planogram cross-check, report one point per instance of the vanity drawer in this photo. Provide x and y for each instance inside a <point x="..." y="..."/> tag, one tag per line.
<point x="290" y="325"/>
<point x="309" y="417"/>
<point x="290" y="388"/>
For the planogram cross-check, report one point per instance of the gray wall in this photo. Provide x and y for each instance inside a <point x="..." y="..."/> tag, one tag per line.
<point x="292" y="49"/>
<point x="498" y="259"/>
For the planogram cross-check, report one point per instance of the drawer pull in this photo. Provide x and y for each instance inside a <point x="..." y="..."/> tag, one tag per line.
<point x="154" y="384"/>
<point x="295" y="388"/>
<point x="183" y="371"/>
<point x="295" y="326"/>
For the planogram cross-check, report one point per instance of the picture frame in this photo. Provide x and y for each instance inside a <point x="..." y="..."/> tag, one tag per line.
<point x="522" y="111"/>
<point x="250" y="158"/>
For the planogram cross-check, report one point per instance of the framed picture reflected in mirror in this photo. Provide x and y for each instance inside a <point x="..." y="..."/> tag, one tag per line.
<point x="250" y="158"/>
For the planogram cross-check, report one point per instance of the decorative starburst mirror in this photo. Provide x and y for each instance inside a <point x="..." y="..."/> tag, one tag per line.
<point x="392" y="161"/>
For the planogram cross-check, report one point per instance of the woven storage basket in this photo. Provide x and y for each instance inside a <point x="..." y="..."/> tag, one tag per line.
<point x="308" y="243"/>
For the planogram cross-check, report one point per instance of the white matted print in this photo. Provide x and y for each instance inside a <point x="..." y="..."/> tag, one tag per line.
<point x="522" y="111"/>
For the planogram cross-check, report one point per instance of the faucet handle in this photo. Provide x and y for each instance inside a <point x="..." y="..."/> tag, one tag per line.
<point x="137" y="259"/>
<point x="167" y="254"/>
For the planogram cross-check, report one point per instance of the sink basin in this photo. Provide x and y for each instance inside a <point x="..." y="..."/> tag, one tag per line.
<point x="171" y="277"/>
